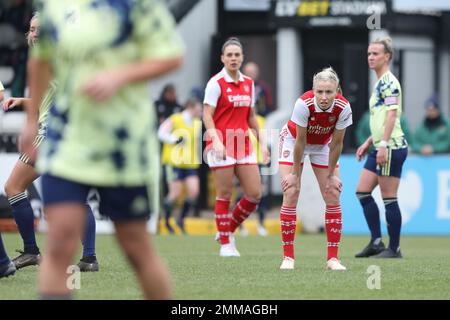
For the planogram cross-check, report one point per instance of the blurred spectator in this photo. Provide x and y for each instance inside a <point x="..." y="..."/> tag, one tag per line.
<point x="263" y="92"/>
<point x="18" y="14"/>
<point x="14" y="21"/>
<point x="362" y="131"/>
<point x="198" y="93"/>
<point x="433" y="134"/>
<point x="167" y="103"/>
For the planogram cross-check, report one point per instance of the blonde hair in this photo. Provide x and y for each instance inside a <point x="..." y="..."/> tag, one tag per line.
<point x="233" y="41"/>
<point x="386" y="42"/>
<point x="27" y="35"/>
<point x="327" y="74"/>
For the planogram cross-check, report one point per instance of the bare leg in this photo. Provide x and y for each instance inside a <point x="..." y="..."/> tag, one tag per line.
<point x="65" y="226"/>
<point x="151" y="272"/>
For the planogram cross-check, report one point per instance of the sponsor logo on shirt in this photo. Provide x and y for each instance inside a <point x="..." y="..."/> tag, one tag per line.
<point x="240" y="100"/>
<point x="332" y="119"/>
<point x="319" y="130"/>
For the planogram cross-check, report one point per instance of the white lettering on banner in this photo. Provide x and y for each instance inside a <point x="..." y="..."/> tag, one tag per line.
<point x="443" y="197"/>
<point x="291" y="8"/>
<point x="286" y="8"/>
<point x="355" y="8"/>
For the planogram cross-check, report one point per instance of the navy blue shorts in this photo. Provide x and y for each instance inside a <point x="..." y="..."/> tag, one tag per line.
<point x="393" y="166"/>
<point x="117" y="203"/>
<point x="175" y="174"/>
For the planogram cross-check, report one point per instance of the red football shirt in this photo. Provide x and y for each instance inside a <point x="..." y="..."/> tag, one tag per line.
<point x="320" y="123"/>
<point x="233" y="102"/>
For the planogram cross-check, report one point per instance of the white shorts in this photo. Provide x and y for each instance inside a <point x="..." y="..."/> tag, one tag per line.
<point x="214" y="163"/>
<point x="318" y="153"/>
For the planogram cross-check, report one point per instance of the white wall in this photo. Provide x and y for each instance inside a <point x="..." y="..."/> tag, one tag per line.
<point x="196" y="29"/>
<point x="444" y="62"/>
<point x="418" y="74"/>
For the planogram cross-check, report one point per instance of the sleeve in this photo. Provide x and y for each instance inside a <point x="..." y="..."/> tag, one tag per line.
<point x="154" y="29"/>
<point x="212" y="93"/>
<point x="1" y="86"/>
<point x="390" y="94"/>
<point x="43" y="49"/>
<point x="165" y="132"/>
<point x="345" y="118"/>
<point x="300" y="114"/>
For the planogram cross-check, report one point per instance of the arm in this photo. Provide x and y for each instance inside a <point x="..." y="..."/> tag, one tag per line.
<point x="336" y="146"/>
<point x="11" y="103"/>
<point x="218" y="147"/>
<point x="388" y="127"/>
<point x="293" y="178"/>
<point x="2" y="95"/>
<point x="389" y="124"/>
<point x="39" y="76"/>
<point x="165" y="132"/>
<point x="102" y="86"/>
<point x="362" y="150"/>
<point x="299" y="149"/>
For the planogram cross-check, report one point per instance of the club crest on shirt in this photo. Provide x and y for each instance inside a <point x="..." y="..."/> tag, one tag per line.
<point x="313" y="118"/>
<point x="247" y="88"/>
<point x="332" y="119"/>
<point x="286" y="153"/>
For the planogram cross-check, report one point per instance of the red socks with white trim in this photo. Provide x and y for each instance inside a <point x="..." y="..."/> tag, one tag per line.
<point x="222" y="209"/>
<point x="333" y="226"/>
<point x="241" y="211"/>
<point x="288" y="221"/>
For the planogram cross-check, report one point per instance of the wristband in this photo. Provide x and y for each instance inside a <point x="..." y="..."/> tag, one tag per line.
<point x="383" y="144"/>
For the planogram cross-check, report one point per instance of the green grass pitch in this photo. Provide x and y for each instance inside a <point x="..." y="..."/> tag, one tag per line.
<point x="199" y="273"/>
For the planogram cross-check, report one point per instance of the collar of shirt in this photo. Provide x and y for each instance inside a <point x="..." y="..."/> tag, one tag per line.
<point x="228" y="78"/>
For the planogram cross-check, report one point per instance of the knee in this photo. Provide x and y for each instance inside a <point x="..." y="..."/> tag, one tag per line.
<point x="332" y="197"/>
<point x="193" y="194"/>
<point x="11" y="189"/>
<point x="254" y="196"/>
<point x="291" y="196"/>
<point x="364" y="197"/>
